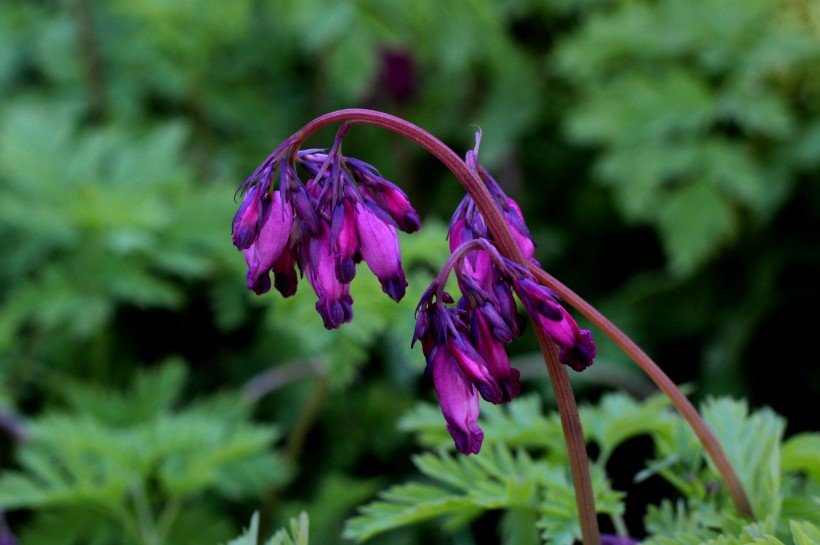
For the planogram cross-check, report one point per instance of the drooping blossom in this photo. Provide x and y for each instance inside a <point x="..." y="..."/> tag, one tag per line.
<point x="344" y="213"/>
<point x="464" y="343"/>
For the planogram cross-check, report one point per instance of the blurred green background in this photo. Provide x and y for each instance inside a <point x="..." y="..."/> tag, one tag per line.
<point x="666" y="155"/>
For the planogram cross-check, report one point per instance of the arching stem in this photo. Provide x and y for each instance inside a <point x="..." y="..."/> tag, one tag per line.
<point x="496" y="224"/>
<point x="684" y="406"/>
<point x="558" y="375"/>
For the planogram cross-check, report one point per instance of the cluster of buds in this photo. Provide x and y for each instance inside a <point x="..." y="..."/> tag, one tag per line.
<point x="343" y="214"/>
<point x="463" y="344"/>
<point x="347" y="212"/>
<point x="463" y="341"/>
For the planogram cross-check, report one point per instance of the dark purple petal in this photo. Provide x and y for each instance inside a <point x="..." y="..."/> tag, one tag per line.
<point x="308" y="220"/>
<point x="499" y="327"/>
<point x="507" y="307"/>
<point x="285" y="278"/>
<point x="581" y="354"/>
<point x="345" y="241"/>
<point x="538" y="300"/>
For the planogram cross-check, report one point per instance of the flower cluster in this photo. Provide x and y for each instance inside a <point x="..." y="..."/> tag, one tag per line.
<point x="463" y="344"/>
<point x="345" y="213"/>
<point x="576" y="347"/>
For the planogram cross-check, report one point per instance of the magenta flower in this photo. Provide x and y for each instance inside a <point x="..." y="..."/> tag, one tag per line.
<point x="459" y="373"/>
<point x="335" y="303"/>
<point x="344" y="213"/>
<point x="458" y="399"/>
<point x="270" y="242"/>
<point x="380" y="250"/>
<point x="473" y="333"/>
<point x="245" y="223"/>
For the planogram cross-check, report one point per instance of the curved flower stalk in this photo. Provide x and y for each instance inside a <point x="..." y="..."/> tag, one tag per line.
<point x="346" y="212"/>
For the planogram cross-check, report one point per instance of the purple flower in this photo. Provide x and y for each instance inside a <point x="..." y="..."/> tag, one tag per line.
<point x="457" y="359"/>
<point x="472" y="335"/>
<point x="380" y="250"/>
<point x="493" y="353"/>
<point x="245" y="223"/>
<point x="345" y="213"/>
<point x="273" y="236"/>
<point x="468" y="213"/>
<point x="458" y="399"/>
<point x="335" y="303"/>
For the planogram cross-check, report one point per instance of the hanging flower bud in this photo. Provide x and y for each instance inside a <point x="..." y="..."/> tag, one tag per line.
<point x="458" y="400"/>
<point x="277" y="219"/>
<point x="379" y="246"/>
<point x="335" y="303"/>
<point x="345" y="241"/>
<point x="244" y="227"/>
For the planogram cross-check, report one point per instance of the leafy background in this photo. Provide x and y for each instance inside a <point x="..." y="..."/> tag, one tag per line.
<point x="666" y="154"/>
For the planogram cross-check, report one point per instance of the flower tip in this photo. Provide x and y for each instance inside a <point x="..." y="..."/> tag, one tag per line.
<point x="335" y="313"/>
<point x="395" y="287"/>
<point x="467" y="441"/>
<point x="243" y="237"/>
<point x="259" y="284"/>
<point x="345" y="270"/>
<point x="411" y="223"/>
<point x="580" y="356"/>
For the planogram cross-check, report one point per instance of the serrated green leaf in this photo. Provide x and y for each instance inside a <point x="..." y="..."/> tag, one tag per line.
<point x="694" y="222"/>
<point x="801" y="453"/>
<point x="752" y="445"/>
<point x="617" y="418"/>
<point x="805" y="533"/>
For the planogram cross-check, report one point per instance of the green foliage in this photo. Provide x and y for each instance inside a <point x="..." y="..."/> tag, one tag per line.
<point x="296" y="534"/>
<point x="693" y="104"/>
<point x="468" y="486"/>
<point x="105" y="221"/>
<point x="531" y="483"/>
<point x="135" y="464"/>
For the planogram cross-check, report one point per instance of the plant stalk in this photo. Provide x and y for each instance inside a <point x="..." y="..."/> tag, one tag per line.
<point x="509" y="248"/>
<point x="574" y="436"/>
<point x="681" y="402"/>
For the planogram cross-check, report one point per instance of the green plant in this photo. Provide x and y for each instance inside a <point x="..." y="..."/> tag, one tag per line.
<point x="134" y="467"/>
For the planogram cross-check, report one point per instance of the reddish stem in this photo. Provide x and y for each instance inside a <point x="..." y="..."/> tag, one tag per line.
<point x="496" y="224"/>
<point x="558" y="375"/>
<point x="684" y="406"/>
